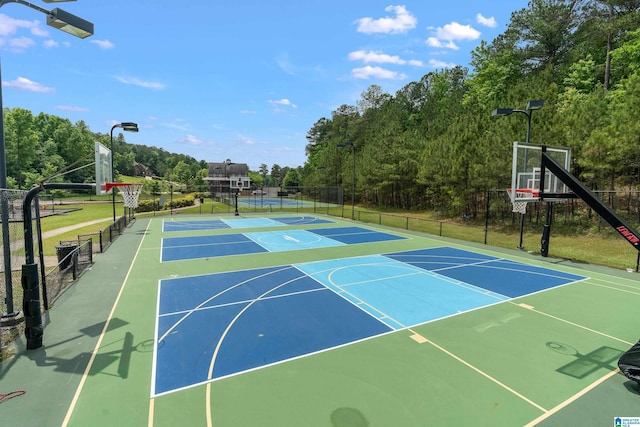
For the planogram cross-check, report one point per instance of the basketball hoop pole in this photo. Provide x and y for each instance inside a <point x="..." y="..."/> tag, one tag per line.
<point x="501" y="112"/>
<point x="129" y="127"/>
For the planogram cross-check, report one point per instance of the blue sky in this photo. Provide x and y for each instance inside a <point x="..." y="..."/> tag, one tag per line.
<point x="243" y="80"/>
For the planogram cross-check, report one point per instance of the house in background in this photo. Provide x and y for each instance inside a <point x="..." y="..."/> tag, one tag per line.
<point x="142" y="170"/>
<point x="228" y="178"/>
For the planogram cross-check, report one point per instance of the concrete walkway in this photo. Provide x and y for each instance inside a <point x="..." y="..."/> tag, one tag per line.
<point x="58" y="231"/>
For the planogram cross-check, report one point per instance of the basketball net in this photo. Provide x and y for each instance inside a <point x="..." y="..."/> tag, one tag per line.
<point x="130" y="192"/>
<point x="519" y="207"/>
<point x="520" y="200"/>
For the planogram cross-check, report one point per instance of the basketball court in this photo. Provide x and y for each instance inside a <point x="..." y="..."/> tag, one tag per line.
<point x="320" y="321"/>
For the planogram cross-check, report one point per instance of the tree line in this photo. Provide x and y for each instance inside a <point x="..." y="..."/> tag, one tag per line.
<point x="434" y="144"/>
<point x="47" y="148"/>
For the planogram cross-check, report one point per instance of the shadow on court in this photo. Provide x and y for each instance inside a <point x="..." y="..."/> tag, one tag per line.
<point x="47" y="356"/>
<point x="584" y="364"/>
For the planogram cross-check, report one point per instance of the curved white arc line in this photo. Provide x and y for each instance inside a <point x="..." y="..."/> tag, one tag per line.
<point x="193" y="310"/>
<point x="222" y="337"/>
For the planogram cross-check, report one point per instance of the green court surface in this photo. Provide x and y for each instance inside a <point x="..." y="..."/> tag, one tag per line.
<point x="546" y="359"/>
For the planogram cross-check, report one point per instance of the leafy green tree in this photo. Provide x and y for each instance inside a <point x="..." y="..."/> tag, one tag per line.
<point x="21" y="143"/>
<point x="292" y="179"/>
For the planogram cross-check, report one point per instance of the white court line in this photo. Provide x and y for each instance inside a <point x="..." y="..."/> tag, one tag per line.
<point x="572" y="399"/>
<point x="484" y="374"/>
<point x="85" y="375"/>
<point x="193" y="310"/>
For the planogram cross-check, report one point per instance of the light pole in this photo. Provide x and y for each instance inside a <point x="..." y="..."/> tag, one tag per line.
<point x="73" y="25"/>
<point x="128" y="127"/>
<point x="502" y="112"/>
<point x="228" y="163"/>
<point x="353" y="177"/>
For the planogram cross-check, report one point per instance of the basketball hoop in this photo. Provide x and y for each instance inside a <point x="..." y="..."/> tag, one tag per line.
<point x="521" y="196"/>
<point x="130" y="192"/>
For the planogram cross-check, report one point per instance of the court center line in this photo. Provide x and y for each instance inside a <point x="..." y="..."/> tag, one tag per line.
<point x="484" y="374"/>
<point x="85" y="375"/>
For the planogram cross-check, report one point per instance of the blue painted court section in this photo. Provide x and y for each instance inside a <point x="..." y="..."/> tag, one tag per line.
<point x="215" y="224"/>
<point x="297" y="220"/>
<point x="219" y="224"/>
<point x="399" y="294"/>
<point x="291" y="240"/>
<point x="354" y="235"/>
<point x="252" y="223"/>
<point x="242" y="320"/>
<point x="509" y="278"/>
<point x="274" y="201"/>
<point x="192" y="247"/>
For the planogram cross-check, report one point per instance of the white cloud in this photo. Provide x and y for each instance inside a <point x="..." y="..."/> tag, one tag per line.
<point x="193" y="140"/>
<point x="283" y="101"/>
<point x="72" y="108"/>
<point x="21" y="43"/>
<point x="434" y="42"/>
<point x="22" y="83"/>
<point x="9" y="26"/>
<point x="381" y="58"/>
<point x="487" y="22"/>
<point x="285" y="64"/>
<point x="445" y="37"/>
<point x="377" y="73"/>
<point x="50" y="43"/>
<point x="402" y="22"/>
<point x="247" y="112"/>
<point x="455" y="31"/>
<point x="38" y="31"/>
<point x="242" y="139"/>
<point x="434" y="63"/>
<point x="139" y="82"/>
<point x="103" y="44"/>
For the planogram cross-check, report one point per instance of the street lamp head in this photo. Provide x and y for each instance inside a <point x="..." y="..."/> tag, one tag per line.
<point x="126" y="126"/>
<point x="535" y="105"/>
<point x="129" y="126"/>
<point x="502" y="112"/>
<point x="69" y="23"/>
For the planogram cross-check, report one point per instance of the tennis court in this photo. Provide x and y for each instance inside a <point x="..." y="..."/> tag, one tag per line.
<point x="319" y="321"/>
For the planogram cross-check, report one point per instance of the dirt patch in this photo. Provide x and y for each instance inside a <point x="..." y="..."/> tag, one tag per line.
<point x="10" y="329"/>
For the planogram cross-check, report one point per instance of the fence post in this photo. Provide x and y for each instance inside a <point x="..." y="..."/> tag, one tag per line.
<point x="486" y="216"/>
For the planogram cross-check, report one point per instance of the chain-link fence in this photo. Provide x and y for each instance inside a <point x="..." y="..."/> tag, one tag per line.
<point x="12" y="248"/>
<point x="73" y="257"/>
<point x="273" y="199"/>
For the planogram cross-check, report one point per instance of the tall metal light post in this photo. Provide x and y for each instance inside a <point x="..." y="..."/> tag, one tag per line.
<point x="128" y="127"/>
<point x="75" y="26"/>
<point x="502" y="112"/>
<point x="353" y="177"/>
